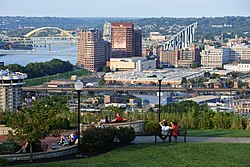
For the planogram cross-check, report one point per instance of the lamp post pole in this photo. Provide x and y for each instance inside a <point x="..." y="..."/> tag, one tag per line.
<point x="78" y="88"/>
<point x="79" y="115"/>
<point x="159" y="111"/>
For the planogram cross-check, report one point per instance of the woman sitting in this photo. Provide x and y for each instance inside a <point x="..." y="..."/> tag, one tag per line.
<point x="106" y="120"/>
<point x="118" y="119"/>
<point x="174" y="130"/>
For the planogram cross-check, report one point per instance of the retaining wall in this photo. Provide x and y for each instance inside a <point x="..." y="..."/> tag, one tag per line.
<point x="139" y="125"/>
<point x="41" y="155"/>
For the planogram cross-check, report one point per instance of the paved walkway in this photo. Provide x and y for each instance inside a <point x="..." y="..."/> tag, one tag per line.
<point x="151" y="139"/>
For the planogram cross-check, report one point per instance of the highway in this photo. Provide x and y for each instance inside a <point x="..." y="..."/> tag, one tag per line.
<point x="134" y="88"/>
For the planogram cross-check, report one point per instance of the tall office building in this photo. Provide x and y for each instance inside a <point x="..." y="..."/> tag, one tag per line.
<point x="91" y="50"/>
<point x="122" y="38"/>
<point x="11" y="89"/>
<point x="138" y="43"/>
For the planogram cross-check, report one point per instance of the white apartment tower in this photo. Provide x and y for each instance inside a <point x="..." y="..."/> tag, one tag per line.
<point x="11" y="89"/>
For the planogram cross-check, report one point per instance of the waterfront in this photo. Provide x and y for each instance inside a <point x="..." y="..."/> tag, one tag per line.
<point x="23" y="59"/>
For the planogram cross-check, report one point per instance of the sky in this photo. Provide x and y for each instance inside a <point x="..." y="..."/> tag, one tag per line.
<point x="125" y="8"/>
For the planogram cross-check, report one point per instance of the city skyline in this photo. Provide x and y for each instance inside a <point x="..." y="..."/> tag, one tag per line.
<point x="128" y="8"/>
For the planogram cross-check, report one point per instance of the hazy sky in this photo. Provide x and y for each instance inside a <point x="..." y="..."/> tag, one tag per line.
<point x="125" y="8"/>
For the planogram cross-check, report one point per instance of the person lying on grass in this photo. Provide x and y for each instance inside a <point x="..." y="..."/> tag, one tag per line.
<point x="71" y="139"/>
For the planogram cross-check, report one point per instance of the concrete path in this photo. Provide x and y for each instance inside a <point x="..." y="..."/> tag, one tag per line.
<point x="151" y="139"/>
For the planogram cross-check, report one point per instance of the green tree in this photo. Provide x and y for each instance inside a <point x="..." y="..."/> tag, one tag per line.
<point x="207" y="74"/>
<point x="33" y="124"/>
<point x="106" y="69"/>
<point x="101" y="82"/>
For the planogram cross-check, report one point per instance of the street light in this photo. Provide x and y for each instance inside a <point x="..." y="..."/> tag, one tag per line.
<point x="78" y="88"/>
<point x="159" y="111"/>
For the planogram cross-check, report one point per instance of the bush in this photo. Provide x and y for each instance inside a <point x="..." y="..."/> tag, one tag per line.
<point x="2" y="118"/>
<point x="125" y="134"/>
<point x="96" y="138"/>
<point x="7" y="147"/>
<point x="152" y="127"/>
<point x="3" y="162"/>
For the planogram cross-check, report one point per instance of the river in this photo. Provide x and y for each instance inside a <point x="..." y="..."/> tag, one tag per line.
<point x="26" y="59"/>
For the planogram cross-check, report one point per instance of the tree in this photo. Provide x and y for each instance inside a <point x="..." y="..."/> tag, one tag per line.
<point x="207" y="74"/>
<point x="101" y="82"/>
<point x="106" y="69"/>
<point x="33" y="124"/>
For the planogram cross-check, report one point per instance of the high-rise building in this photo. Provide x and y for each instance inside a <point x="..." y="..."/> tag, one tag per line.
<point x="11" y="89"/>
<point x="138" y="43"/>
<point x="91" y="50"/>
<point x="122" y="38"/>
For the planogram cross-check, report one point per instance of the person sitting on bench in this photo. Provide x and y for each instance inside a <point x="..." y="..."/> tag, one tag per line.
<point x="174" y="130"/>
<point x="164" y="130"/>
<point x="118" y="119"/>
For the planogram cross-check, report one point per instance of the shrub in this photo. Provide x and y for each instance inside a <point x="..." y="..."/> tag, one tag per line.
<point x="152" y="127"/>
<point x="2" y="118"/>
<point x="125" y="134"/>
<point x="7" y="147"/>
<point x="96" y="138"/>
<point x="3" y="162"/>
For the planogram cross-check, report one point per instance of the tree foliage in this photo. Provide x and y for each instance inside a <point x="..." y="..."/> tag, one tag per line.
<point x="36" y="122"/>
<point x="39" y="69"/>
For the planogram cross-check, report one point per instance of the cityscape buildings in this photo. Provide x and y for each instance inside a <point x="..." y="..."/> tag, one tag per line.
<point x="180" y="57"/>
<point x="214" y="57"/>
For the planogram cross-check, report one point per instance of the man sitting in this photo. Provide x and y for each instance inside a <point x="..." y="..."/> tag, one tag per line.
<point x="69" y="140"/>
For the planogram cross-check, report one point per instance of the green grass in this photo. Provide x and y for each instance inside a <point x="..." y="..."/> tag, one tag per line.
<point x="66" y="75"/>
<point x="165" y="154"/>
<point x="218" y="133"/>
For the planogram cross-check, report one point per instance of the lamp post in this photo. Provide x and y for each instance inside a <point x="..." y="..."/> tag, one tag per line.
<point x="159" y="111"/>
<point x="78" y="88"/>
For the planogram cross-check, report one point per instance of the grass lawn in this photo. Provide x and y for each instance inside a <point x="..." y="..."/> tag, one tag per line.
<point x="218" y="133"/>
<point x="66" y="75"/>
<point x="166" y="154"/>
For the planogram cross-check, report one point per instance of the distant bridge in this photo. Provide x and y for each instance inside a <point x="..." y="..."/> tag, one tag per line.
<point x="44" y="28"/>
<point x="34" y="52"/>
<point x="63" y="38"/>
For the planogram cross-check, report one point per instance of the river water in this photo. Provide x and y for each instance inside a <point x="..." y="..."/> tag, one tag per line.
<point x="26" y="59"/>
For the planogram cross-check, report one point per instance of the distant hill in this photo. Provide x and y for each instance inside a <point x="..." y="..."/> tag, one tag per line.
<point x="208" y="27"/>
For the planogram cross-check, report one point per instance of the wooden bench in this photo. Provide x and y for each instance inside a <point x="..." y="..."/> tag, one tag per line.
<point x="182" y="132"/>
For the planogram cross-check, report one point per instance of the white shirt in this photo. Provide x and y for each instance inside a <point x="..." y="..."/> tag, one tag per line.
<point x="164" y="130"/>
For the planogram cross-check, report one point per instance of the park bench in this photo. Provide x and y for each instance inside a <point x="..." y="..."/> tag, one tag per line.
<point x="182" y="132"/>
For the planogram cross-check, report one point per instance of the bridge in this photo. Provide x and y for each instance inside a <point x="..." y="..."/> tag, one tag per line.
<point x="32" y="38"/>
<point x="135" y="89"/>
